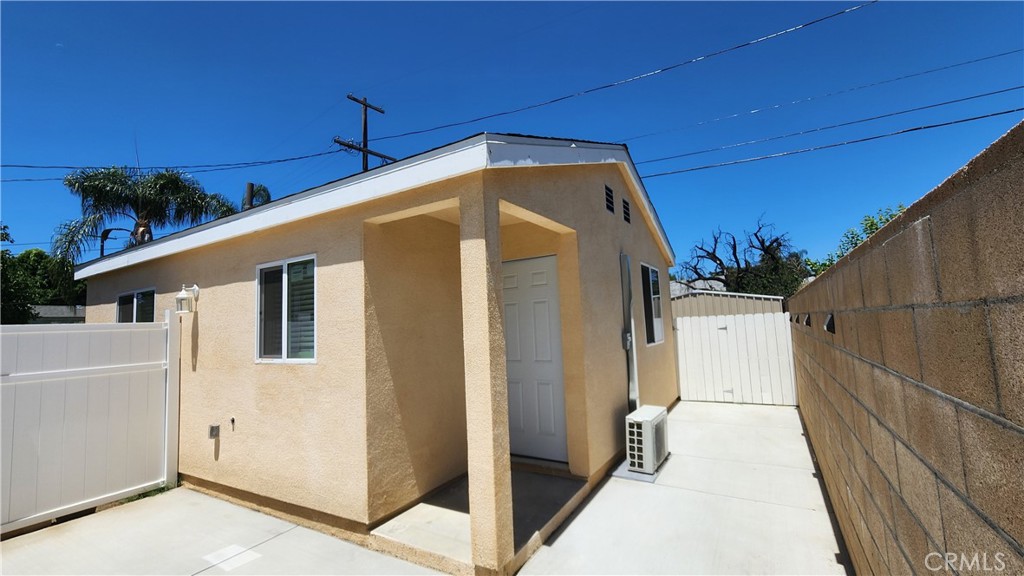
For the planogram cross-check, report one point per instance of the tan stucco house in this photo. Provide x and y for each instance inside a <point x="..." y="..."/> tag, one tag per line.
<point x="366" y="341"/>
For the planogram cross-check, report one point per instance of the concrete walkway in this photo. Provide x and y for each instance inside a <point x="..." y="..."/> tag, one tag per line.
<point x="185" y="532"/>
<point x="737" y="496"/>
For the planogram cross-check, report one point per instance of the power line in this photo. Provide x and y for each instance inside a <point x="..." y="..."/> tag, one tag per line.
<point x="822" y="96"/>
<point x="190" y="167"/>
<point x="454" y="56"/>
<point x="30" y="179"/>
<point x="823" y="128"/>
<point x="836" y="145"/>
<point x="199" y="168"/>
<point x="49" y="243"/>
<point x="289" y="178"/>
<point x="631" y="79"/>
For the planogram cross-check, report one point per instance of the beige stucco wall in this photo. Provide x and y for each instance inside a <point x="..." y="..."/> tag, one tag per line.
<point x="388" y="380"/>
<point x="416" y="395"/>
<point x="302" y="431"/>
<point x="299" y="433"/>
<point x="574" y="197"/>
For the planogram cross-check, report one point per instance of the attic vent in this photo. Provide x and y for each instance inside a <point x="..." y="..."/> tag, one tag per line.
<point x="807" y="319"/>
<point x="609" y="199"/>
<point x="830" y="324"/>
<point x="625" y="210"/>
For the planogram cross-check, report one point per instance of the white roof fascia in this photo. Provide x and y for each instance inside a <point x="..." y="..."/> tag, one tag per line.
<point x="475" y="153"/>
<point x="463" y="157"/>
<point x="649" y="210"/>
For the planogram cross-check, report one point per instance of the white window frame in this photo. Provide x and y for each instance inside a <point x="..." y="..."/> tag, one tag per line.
<point x="284" y="311"/>
<point x="646" y="268"/>
<point x="135" y="305"/>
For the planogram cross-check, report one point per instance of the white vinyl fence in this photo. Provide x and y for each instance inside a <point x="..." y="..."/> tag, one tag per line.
<point x="89" y="416"/>
<point x="741" y="358"/>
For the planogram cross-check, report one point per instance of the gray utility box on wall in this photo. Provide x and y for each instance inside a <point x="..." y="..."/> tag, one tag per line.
<point x="647" y="438"/>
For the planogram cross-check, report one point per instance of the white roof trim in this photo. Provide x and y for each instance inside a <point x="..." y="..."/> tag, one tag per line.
<point x="475" y="153"/>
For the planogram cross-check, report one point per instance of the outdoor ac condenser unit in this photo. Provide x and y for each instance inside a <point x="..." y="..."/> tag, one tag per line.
<point x="646" y="438"/>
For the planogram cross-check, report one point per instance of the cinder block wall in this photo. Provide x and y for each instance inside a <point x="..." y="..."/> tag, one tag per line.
<point x="915" y="405"/>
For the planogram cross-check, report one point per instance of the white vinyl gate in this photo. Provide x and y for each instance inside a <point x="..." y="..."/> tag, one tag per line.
<point x="741" y="358"/>
<point x="89" y="416"/>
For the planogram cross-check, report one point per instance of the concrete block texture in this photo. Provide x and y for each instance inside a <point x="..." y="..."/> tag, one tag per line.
<point x="898" y="565"/>
<point x="999" y="205"/>
<point x="878" y="487"/>
<point x="994" y="463"/>
<point x="889" y="398"/>
<point x="899" y="342"/>
<point x="875" y="279"/>
<point x="955" y="354"/>
<point x="861" y="424"/>
<point x="1006" y="322"/>
<point x="918" y="487"/>
<point x="911" y="534"/>
<point x="956" y="251"/>
<point x="909" y="257"/>
<point x="846" y="329"/>
<point x="883" y="449"/>
<point x="847" y="292"/>
<point x="933" y="431"/>
<point x="869" y="337"/>
<point x="865" y="385"/>
<point x="977" y="256"/>
<point x="967" y="534"/>
<point x="915" y="472"/>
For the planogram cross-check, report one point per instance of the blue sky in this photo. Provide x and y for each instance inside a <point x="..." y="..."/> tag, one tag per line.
<point x="197" y="83"/>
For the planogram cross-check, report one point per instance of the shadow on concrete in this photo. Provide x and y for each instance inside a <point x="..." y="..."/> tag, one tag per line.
<point x="536" y="499"/>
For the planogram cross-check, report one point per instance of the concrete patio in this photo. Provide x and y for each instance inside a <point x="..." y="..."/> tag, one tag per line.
<point x="185" y="532"/>
<point x="738" y="495"/>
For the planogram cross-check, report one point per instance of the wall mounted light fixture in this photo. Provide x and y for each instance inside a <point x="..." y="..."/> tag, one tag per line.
<point x="186" y="300"/>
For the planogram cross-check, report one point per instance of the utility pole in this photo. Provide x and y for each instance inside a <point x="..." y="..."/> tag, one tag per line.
<point x="366" y="137"/>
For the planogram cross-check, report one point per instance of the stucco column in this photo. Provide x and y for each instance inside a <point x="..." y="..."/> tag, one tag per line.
<point x="490" y="475"/>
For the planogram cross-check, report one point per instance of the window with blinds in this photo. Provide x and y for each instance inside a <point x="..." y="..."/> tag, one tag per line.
<point x="139" y="306"/>
<point x="287" y="306"/>
<point x="126" y="308"/>
<point x="300" y="309"/>
<point x="271" y="294"/>
<point x="650" y="282"/>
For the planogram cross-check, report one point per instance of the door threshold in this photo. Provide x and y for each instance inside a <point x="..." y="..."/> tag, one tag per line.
<point x="542" y="466"/>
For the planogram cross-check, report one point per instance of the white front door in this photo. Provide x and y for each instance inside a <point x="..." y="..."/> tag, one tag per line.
<point x="533" y="347"/>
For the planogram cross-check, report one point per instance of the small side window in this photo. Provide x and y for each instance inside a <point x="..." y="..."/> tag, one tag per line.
<point x="650" y="282"/>
<point x="287" y="310"/>
<point x="609" y="199"/>
<point x="139" y="306"/>
<point x="625" y="210"/>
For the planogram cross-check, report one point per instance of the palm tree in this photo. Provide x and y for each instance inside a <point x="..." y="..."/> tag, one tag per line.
<point x="147" y="199"/>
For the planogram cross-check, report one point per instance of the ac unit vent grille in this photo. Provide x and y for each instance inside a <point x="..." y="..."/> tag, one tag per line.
<point x="646" y="438"/>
